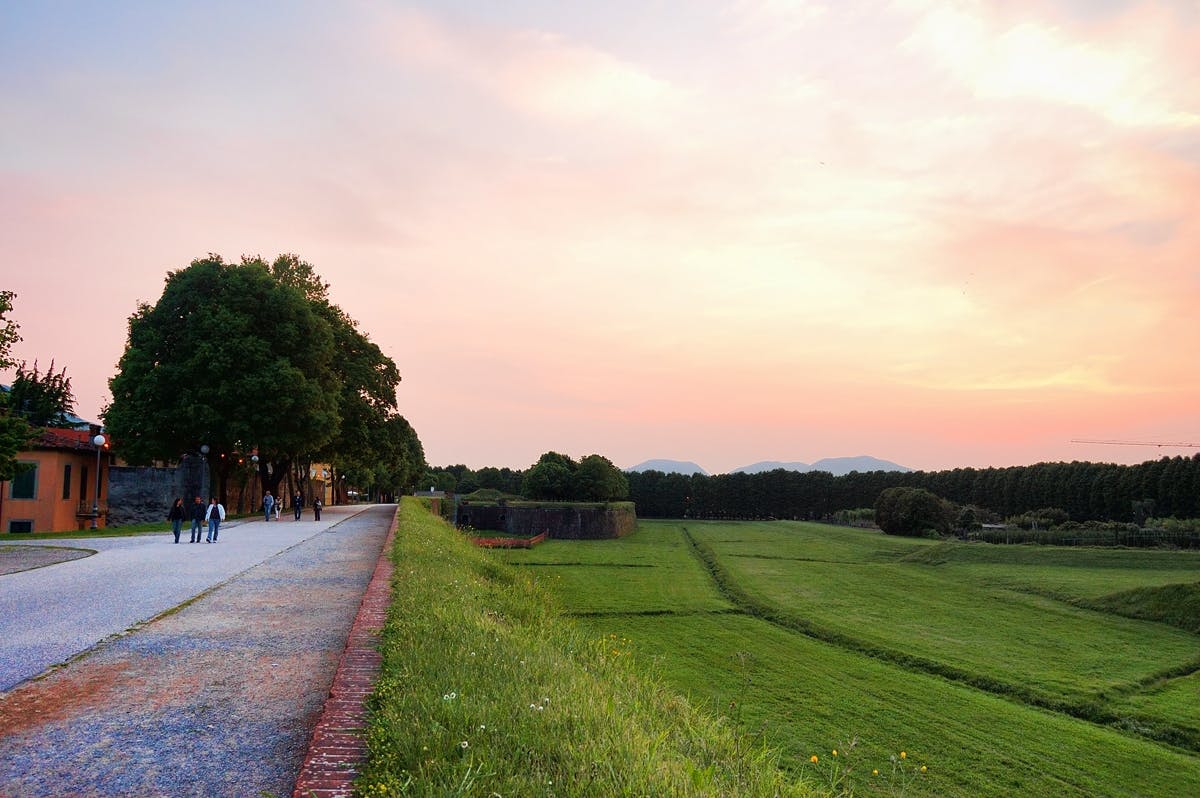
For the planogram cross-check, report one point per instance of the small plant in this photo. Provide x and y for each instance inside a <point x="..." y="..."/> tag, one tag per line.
<point x="836" y="772"/>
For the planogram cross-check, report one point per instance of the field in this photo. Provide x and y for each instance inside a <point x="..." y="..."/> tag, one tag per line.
<point x="989" y="665"/>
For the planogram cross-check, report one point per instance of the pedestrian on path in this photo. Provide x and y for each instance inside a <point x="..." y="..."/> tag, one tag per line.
<point x="278" y="507"/>
<point x="197" y="520"/>
<point x="175" y="515"/>
<point x="317" y="509"/>
<point x="268" y="505"/>
<point x="215" y="515"/>
<point x="297" y="503"/>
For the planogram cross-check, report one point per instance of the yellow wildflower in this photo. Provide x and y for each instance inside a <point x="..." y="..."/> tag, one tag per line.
<point x="813" y="759"/>
<point x="903" y="755"/>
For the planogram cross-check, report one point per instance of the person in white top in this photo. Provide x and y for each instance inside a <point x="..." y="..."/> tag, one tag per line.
<point x="214" y="516"/>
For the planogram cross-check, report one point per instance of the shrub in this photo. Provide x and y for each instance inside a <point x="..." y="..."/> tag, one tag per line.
<point x="913" y="512"/>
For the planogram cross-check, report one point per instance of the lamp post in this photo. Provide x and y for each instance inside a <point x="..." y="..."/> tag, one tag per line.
<point x="254" y="465"/>
<point x="99" y="441"/>
<point x="204" y="450"/>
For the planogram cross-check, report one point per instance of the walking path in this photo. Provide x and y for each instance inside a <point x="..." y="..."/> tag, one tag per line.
<point x="216" y="698"/>
<point x="48" y="615"/>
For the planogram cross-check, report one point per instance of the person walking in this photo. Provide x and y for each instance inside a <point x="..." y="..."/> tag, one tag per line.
<point x="176" y="515"/>
<point x="278" y="507"/>
<point x="268" y="505"/>
<point x="297" y="503"/>
<point x="316" y="509"/>
<point x="197" y="519"/>
<point x="214" y="516"/>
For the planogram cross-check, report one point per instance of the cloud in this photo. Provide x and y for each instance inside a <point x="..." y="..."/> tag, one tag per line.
<point x="537" y="72"/>
<point x="1126" y="71"/>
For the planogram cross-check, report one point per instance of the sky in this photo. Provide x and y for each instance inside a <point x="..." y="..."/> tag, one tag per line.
<point x="945" y="234"/>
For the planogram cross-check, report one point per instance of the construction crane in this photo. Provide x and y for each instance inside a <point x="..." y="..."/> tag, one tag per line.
<point x="1140" y="443"/>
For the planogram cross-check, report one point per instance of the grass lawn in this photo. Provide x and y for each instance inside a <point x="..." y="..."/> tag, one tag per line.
<point x="979" y="613"/>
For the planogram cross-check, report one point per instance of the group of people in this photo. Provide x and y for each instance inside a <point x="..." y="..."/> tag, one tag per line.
<point x="213" y="513"/>
<point x="201" y="514"/>
<point x="270" y="506"/>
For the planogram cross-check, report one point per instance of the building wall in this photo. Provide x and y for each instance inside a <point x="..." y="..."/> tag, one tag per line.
<point x="49" y="510"/>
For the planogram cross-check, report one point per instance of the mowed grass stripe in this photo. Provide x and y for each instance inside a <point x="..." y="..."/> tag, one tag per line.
<point x="1029" y="646"/>
<point x="808" y="697"/>
<point x="596" y="577"/>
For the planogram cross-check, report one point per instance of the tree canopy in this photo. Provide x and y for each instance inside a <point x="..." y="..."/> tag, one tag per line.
<point x="252" y="356"/>
<point x="557" y="477"/>
<point x="14" y="431"/>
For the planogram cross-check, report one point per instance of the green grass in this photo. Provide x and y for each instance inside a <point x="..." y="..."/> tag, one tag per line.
<point x="655" y="569"/>
<point x="485" y="690"/>
<point x="151" y="527"/>
<point x="848" y="633"/>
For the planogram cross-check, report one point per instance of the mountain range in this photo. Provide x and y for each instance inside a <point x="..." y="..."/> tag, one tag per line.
<point x="838" y="466"/>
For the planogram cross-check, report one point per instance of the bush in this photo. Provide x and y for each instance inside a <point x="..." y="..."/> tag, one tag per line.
<point x="913" y="512"/>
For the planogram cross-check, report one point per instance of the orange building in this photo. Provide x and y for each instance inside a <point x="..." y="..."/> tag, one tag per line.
<point x="59" y="493"/>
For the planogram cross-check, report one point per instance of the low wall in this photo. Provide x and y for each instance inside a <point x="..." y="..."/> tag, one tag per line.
<point x="560" y="521"/>
<point x="139" y="495"/>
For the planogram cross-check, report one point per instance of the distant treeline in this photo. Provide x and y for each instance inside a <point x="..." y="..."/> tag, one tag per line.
<point x="1086" y="491"/>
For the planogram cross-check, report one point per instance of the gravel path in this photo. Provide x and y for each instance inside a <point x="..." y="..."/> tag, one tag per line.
<point x="215" y="699"/>
<point x="26" y="557"/>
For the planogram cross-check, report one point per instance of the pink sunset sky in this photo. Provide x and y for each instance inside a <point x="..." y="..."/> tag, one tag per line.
<point x="940" y="233"/>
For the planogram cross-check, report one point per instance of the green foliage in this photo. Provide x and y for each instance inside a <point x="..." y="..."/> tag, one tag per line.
<point x="484" y="690"/>
<point x="15" y="433"/>
<point x="913" y="512"/>
<point x="551" y="477"/>
<point x="15" y="436"/>
<point x="254" y="356"/>
<point x="227" y="357"/>
<point x="43" y="400"/>
<point x="1044" y="518"/>
<point x="9" y="330"/>
<point x="598" y="480"/>
<point x="1087" y="491"/>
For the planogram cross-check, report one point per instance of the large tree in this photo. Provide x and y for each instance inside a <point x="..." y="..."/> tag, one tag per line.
<point x="14" y="432"/>
<point x="598" y="480"/>
<point x="229" y="357"/>
<point x="366" y="440"/>
<point x="551" y="477"/>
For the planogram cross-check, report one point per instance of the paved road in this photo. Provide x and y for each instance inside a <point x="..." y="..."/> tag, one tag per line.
<point x="48" y="615"/>
<point x="217" y="698"/>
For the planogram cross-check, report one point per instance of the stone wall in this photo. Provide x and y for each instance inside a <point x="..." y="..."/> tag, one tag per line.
<point x="138" y="495"/>
<point x="561" y="521"/>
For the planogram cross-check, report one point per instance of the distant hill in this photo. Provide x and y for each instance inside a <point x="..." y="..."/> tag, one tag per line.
<point x="669" y="467"/>
<point x="838" y="466"/>
<point x="771" y="465"/>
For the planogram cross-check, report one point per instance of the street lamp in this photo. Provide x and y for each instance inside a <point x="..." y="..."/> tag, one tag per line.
<point x="254" y="465"/>
<point x="99" y="441"/>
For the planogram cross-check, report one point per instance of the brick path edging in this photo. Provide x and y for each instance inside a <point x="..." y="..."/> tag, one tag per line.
<point x="338" y="748"/>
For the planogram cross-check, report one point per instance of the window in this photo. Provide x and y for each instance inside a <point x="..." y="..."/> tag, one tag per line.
<point x="67" y="481"/>
<point x="83" y="483"/>
<point x="24" y="485"/>
<point x="20" y="526"/>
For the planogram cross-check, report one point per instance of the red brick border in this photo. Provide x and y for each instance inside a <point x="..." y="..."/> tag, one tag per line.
<point x="337" y="748"/>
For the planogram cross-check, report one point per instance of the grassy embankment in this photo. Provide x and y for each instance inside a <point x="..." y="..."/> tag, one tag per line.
<point x="819" y="635"/>
<point x="486" y="691"/>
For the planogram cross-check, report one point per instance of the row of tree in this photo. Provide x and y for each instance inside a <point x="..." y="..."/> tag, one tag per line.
<point x="1085" y="491"/>
<point x="253" y="357"/>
